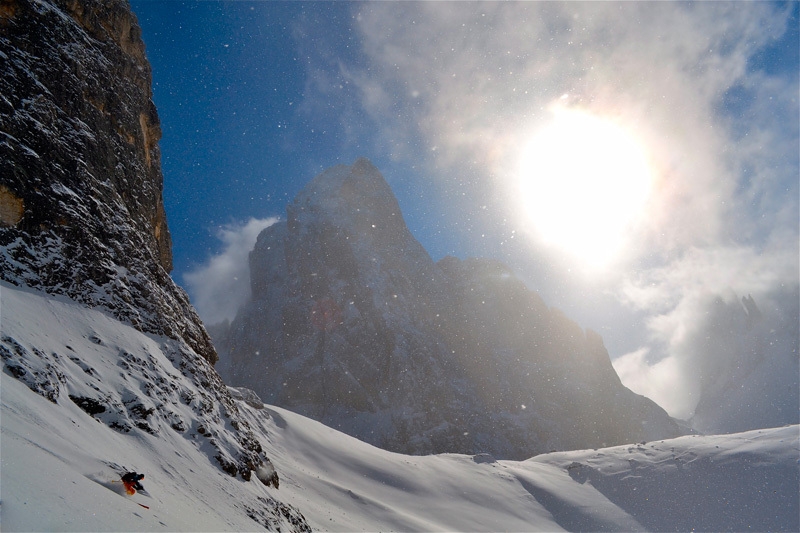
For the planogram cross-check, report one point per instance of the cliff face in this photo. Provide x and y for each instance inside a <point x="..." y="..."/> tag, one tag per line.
<point x="81" y="210"/>
<point x="81" y="215"/>
<point x="748" y="367"/>
<point x="353" y="324"/>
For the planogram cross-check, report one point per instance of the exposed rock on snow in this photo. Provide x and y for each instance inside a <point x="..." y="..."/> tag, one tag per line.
<point x="247" y="396"/>
<point x="352" y="323"/>
<point x="112" y="399"/>
<point x="154" y="385"/>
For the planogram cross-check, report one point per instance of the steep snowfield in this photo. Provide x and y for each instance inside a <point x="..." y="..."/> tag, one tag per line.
<point x="58" y="466"/>
<point x="59" y="469"/>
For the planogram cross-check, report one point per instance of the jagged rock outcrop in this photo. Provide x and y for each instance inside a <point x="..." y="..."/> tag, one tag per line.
<point x="81" y="210"/>
<point x="352" y="323"/>
<point x="81" y="215"/>
<point x="746" y="363"/>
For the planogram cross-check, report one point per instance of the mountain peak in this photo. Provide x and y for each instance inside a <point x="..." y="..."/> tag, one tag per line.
<point x="357" y="196"/>
<point x="348" y="218"/>
<point x="352" y="323"/>
<point x="362" y="171"/>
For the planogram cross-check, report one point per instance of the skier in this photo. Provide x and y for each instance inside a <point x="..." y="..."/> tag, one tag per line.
<point x="131" y="482"/>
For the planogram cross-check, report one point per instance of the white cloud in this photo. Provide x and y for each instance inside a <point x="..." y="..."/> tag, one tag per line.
<point x="696" y="323"/>
<point x="663" y="381"/>
<point x="699" y="272"/>
<point x="220" y="286"/>
<point x="475" y="79"/>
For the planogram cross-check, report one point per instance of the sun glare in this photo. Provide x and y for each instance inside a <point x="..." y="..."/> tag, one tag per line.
<point x="584" y="182"/>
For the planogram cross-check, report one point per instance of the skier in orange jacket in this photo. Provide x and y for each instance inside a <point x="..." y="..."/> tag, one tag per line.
<point x="131" y="482"/>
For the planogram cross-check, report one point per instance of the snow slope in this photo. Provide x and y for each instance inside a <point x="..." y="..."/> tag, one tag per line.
<point x="738" y="482"/>
<point x="58" y="465"/>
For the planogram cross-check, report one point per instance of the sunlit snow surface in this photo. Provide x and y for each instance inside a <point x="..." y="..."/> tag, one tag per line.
<point x="59" y="466"/>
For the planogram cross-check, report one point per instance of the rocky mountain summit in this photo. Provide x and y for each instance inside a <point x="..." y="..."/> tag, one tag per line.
<point x="748" y="369"/>
<point x="351" y="323"/>
<point x="82" y="220"/>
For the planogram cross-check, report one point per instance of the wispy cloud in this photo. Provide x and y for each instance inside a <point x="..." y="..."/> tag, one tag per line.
<point x="220" y="286"/>
<point x="474" y="79"/>
<point x="714" y="346"/>
<point x="696" y="323"/>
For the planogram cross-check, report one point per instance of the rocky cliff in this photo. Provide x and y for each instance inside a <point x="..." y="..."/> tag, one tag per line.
<point x="81" y="209"/>
<point x="81" y="217"/>
<point x="747" y="367"/>
<point x="352" y="323"/>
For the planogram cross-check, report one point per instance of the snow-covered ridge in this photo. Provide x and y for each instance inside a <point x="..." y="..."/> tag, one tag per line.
<point x="60" y="464"/>
<point x="128" y="389"/>
<point x="737" y="482"/>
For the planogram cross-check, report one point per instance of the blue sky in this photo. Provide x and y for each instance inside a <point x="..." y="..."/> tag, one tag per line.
<point x="256" y="98"/>
<point x="240" y="137"/>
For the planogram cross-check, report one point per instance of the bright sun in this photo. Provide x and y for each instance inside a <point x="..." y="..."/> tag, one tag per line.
<point x="584" y="181"/>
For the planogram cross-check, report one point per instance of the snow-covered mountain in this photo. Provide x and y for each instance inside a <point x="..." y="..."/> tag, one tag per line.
<point x="352" y="323"/>
<point x="107" y="369"/>
<point x="82" y="219"/>
<point x="60" y="464"/>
